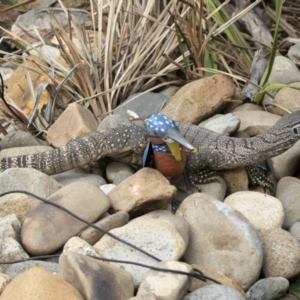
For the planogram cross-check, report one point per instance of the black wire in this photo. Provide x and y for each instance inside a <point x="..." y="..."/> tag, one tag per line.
<point x="196" y="273"/>
<point x="83" y="220"/>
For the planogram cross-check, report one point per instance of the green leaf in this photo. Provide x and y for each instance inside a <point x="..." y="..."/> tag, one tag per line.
<point x="295" y="286"/>
<point x="259" y="96"/>
<point x="273" y="86"/>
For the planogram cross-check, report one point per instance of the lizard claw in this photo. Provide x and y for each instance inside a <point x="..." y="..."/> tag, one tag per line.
<point x="199" y="177"/>
<point x="257" y="177"/>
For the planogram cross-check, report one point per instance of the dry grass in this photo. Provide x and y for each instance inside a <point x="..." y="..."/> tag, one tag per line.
<point x="138" y="46"/>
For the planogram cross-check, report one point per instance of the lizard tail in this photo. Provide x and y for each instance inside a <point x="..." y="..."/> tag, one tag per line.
<point x="75" y="154"/>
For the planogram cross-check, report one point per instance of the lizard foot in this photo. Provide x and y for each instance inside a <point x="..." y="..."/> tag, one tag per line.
<point x="201" y="177"/>
<point x="257" y="177"/>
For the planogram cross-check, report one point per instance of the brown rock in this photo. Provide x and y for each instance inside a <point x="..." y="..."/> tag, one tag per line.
<point x="200" y="99"/>
<point x="18" y="84"/>
<point x="236" y="180"/>
<point x="38" y="283"/>
<point x="75" y="121"/>
<point x="18" y="204"/>
<point x="288" y="99"/>
<point x="145" y="191"/>
<point x="281" y="253"/>
<point x="46" y="228"/>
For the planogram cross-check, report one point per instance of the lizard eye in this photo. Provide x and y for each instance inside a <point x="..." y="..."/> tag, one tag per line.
<point x="296" y="130"/>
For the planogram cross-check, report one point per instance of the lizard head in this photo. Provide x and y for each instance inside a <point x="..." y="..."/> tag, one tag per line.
<point x="163" y="130"/>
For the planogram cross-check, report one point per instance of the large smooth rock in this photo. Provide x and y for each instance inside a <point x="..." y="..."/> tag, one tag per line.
<point x="47" y="228"/>
<point x="157" y="236"/>
<point x="38" y="283"/>
<point x="200" y="99"/>
<point x="288" y="192"/>
<point x="145" y="191"/>
<point x="222" y="239"/>
<point x="263" y="211"/>
<point x="29" y="180"/>
<point x="281" y="254"/>
<point x="95" y="279"/>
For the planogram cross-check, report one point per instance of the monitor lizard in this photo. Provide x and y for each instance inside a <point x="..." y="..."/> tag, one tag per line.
<point x="127" y="141"/>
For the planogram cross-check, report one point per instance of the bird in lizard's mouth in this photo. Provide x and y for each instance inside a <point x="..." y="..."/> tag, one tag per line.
<point x="167" y="144"/>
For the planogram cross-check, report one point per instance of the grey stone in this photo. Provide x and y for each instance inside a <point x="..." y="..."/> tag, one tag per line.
<point x="29" y="180"/>
<point x="284" y="71"/>
<point x="222" y="124"/>
<point x="268" y="289"/>
<point x="114" y="168"/>
<point x="20" y="139"/>
<point x="293" y="53"/>
<point x="76" y="175"/>
<point x="294" y="230"/>
<point x="144" y="105"/>
<point x="42" y="21"/>
<point x="213" y="292"/>
<point x="112" y="121"/>
<point x="288" y="192"/>
<point x="121" y="176"/>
